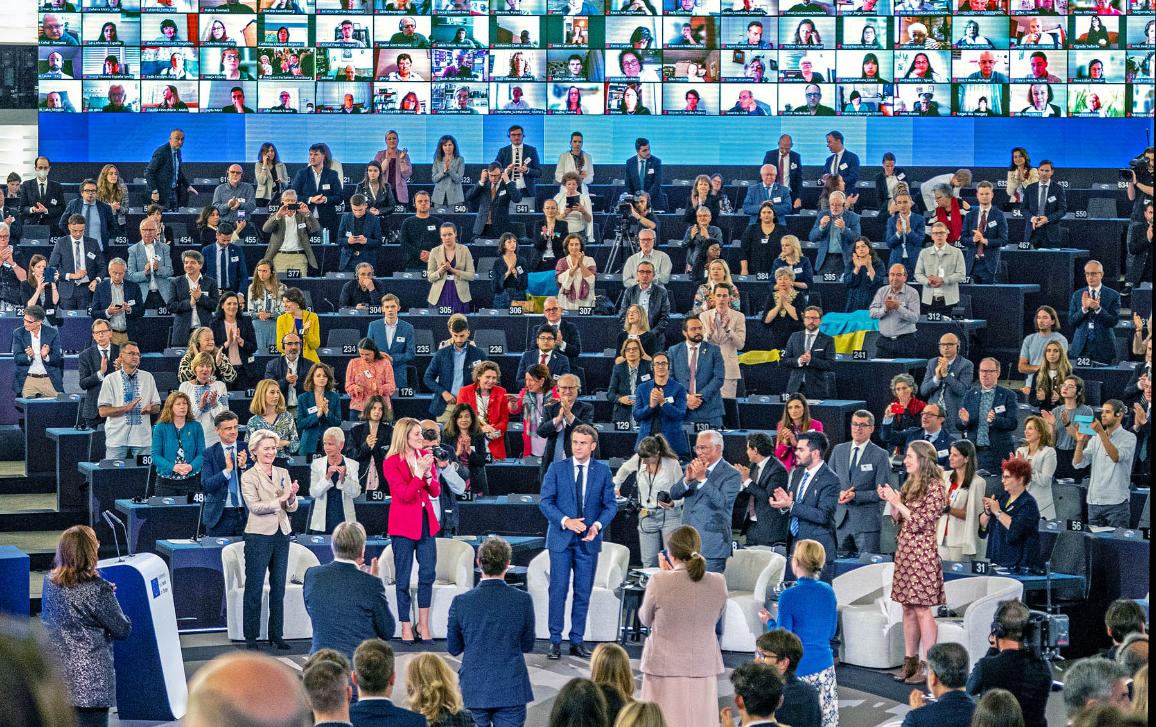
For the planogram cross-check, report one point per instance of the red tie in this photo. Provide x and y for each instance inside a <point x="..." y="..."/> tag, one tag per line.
<point x="545" y="357"/>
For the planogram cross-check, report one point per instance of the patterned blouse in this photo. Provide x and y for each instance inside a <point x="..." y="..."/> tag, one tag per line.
<point x="285" y="427"/>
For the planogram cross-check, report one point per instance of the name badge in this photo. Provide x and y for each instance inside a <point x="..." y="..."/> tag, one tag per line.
<point x="518" y="270"/>
<point x="300" y="225"/>
<point x="668" y="400"/>
<point x="843" y="165"/>
<point x="369" y="374"/>
<point x="1000" y="409"/>
<point x="399" y="339"/>
<point x="1051" y="199"/>
<point x="91" y="256"/>
<point x="502" y="193"/>
<point x="941" y="453"/>
<point x="325" y="188"/>
<point x="130" y="303"/>
<point x="867" y="467"/>
<point x="766" y="240"/>
<point x="52" y="201"/>
<point x="311" y="410"/>
<point x="234" y="259"/>
<point x="644" y="377"/>
<point x="794" y="165"/>
<point x="901" y="176"/>
<point x="798" y="271"/>
<point x="777" y="200"/>
<point x="993" y="223"/>
<point x="649" y="172"/>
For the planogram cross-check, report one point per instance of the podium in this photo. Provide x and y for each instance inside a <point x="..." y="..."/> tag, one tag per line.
<point x="150" y="673"/>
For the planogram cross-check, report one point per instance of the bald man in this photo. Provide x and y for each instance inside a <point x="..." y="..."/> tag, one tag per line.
<point x="987" y="71"/>
<point x="243" y="689"/>
<point x="947" y="379"/>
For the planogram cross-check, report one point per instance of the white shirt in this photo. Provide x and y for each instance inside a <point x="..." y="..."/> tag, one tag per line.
<point x="37" y="365"/>
<point x="117" y="431"/>
<point x="195" y="320"/>
<point x="585" y="479"/>
<point x="291" y="241"/>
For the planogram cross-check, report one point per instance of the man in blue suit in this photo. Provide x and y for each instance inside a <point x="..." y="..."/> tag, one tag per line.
<point x="395" y="338"/>
<point x="984" y="234"/>
<point x="98" y="216"/>
<point x="1044" y="204"/>
<point x="708" y="493"/>
<point x="698" y="366"/>
<point x="525" y="160"/>
<point x="80" y="263"/>
<point x="450" y="368"/>
<point x="1094" y="313"/>
<point x="234" y="274"/>
<point x="578" y="502"/>
<point x="491" y="199"/>
<point x="359" y="235"/>
<point x="835" y="231"/>
<point x="987" y="417"/>
<point x="319" y="186"/>
<point x="346" y="604"/>
<point x="768" y="190"/>
<point x="790" y="167"/>
<point x="813" y="495"/>
<point x="946" y="679"/>
<point x="375" y="678"/>
<point x="644" y="174"/>
<point x="660" y="406"/>
<point x="904" y="234"/>
<point x="947" y="378"/>
<point x="931" y="429"/>
<point x="165" y="174"/>
<point x="38" y="357"/>
<point x="491" y="627"/>
<point x="544" y="354"/>
<point x="223" y="513"/>
<point x="841" y="162"/>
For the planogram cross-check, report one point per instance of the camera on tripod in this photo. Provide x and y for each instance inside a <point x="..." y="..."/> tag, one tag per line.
<point x="626" y="202"/>
<point x="1046" y="633"/>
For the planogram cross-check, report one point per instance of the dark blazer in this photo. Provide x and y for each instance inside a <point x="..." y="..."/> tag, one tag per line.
<point x="103" y="212"/>
<point x="996" y="234"/>
<point x="901" y="439"/>
<point x="800" y="704"/>
<point x="346" y="606"/>
<point x="311" y="425"/>
<point x="848" y="169"/>
<point x="53" y="200"/>
<point x="816" y="511"/>
<point x="910" y="241"/>
<point x="652" y="185"/>
<point x="503" y="283"/>
<point x="384" y="201"/>
<point x="491" y="627"/>
<point x="863" y="514"/>
<point x="1002" y="429"/>
<point x="331" y="187"/>
<point x="479" y="197"/>
<point x="102" y="299"/>
<point x="351" y="255"/>
<point x="770" y="527"/>
<point x="440" y="374"/>
<point x="277" y="369"/>
<point x="670" y="414"/>
<point x="948" y="392"/>
<point x="658" y="313"/>
<point x="53" y="366"/>
<point x="881" y="187"/>
<point x="620" y="386"/>
<point x="215" y="484"/>
<point x="357" y="448"/>
<point x="583" y="414"/>
<point x="530" y="158"/>
<point x="403" y="351"/>
<point x="61" y="258"/>
<point x="1055" y="207"/>
<point x="235" y="266"/>
<point x="182" y="309"/>
<point x="383" y="713"/>
<point x="795" y="182"/>
<point x="561" y="229"/>
<point x="159" y="177"/>
<point x="707" y="506"/>
<point x="559" y="500"/>
<point x="1093" y="333"/>
<point x="709" y="379"/>
<point x="249" y="349"/>
<point x="817" y="378"/>
<point x="557" y="363"/>
<point x="571" y="345"/>
<point x="88" y="368"/>
<point x="954" y="709"/>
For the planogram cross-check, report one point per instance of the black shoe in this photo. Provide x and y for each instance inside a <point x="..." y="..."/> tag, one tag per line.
<point x="251" y="645"/>
<point x="555" y="652"/>
<point x="280" y="644"/>
<point x="580" y="651"/>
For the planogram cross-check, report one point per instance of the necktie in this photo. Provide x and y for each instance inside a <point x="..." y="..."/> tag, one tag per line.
<point x="222" y="269"/>
<point x="986" y="399"/>
<point x="834" y="164"/>
<point x="642" y="172"/>
<point x="1043" y="197"/>
<point x="802" y="492"/>
<point x="930" y="437"/>
<point x="693" y="388"/>
<point x="78" y="255"/>
<point x="517" y="161"/>
<point x="982" y="227"/>
<point x="234" y="491"/>
<point x="756" y="470"/>
<point x="42" y="191"/>
<point x="103" y="355"/>
<point x="1095" y="294"/>
<point x="810" y="341"/>
<point x="176" y="167"/>
<point x="578" y="490"/>
<point x="784" y="166"/>
<point x="88" y="220"/>
<point x="544" y="358"/>
<point x="854" y="461"/>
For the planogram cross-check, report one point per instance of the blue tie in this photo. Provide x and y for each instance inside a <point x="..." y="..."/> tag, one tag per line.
<point x="88" y="224"/>
<point x="234" y="488"/>
<point x="802" y="492"/>
<point x="176" y="167"/>
<point x="578" y="490"/>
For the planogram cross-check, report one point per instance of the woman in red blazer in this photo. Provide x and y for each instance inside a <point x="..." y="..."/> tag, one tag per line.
<point x="488" y="400"/>
<point x="413" y="522"/>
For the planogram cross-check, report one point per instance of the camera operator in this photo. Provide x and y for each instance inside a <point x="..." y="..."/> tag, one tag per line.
<point x="452" y="475"/>
<point x="633" y="214"/>
<point x="1009" y="665"/>
<point x="1140" y="183"/>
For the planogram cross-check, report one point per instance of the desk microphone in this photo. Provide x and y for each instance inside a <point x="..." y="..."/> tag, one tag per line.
<point x="200" y="496"/>
<point x="112" y="521"/>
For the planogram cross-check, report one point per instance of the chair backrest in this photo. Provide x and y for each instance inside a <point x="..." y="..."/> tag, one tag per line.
<point x="424" y="337"/>
<point x="491" y="341"/>
<point x="338" y="337"/>
<point x="1070" y="554"/>
<point x="746" y="568"/>
<point x="37" y="233"/>
<point x="1069" y="500"/>
<point x="1102" y="207"/>
<point x="233" y="565"/>
<point x="860" y="583"/>
<point x="485" y="267"/>
<point x="613" y="565"/>
<point x="455" y="562"/>
<point x="1093" y="392"/>
<point x="731" y="414"/>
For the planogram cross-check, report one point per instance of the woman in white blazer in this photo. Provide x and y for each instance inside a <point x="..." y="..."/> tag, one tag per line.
<point x="568" y="161"/>
<point x="1038" y="450"/>
<point x="957" y="531"/>
<point x="333" y="484"/>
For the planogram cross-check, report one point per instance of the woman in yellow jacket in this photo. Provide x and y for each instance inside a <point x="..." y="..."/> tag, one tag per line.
<point x="296" y="319"/>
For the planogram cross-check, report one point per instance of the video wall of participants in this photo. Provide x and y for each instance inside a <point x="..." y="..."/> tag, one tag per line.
<point x="1034" y="58"/>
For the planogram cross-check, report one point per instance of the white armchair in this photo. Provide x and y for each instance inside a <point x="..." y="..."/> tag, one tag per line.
<point x="749" y="573"/>
<point x="454" y="575"/>
<point x="602" y="620"/>
<point x="297" y="623"/>
<point x="871" y="629"/>
<point x="976" y="600"/>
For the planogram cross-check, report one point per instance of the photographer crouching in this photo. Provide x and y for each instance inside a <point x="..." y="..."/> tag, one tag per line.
<point x="1009" y="665"/>
<point x="452" y="474"/>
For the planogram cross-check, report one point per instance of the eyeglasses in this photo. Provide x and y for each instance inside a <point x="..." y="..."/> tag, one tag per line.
<point x="989" y="371"/>
<point x="861" y="425"/>
<point x="766" y="655"/>
<point x="657" y="364"/>
<point x="948" y="344"/>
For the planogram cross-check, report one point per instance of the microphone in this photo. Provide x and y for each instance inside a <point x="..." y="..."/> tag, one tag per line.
<point x="110" y="519"/>
<point x="200" y="496"/>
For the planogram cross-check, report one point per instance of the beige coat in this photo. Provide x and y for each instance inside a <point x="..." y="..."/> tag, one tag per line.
<point x="266" y="514"/>
<point x="682" y="615"/>
<point x="963" y="534"/>
<point x="463" y="263"/>
<point x="730" y="339"/>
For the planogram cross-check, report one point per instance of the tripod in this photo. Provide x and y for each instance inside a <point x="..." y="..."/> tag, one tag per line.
<point x="622" y="237"/>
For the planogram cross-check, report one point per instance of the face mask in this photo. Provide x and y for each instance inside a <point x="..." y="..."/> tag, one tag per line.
<point x="42" y="174"/>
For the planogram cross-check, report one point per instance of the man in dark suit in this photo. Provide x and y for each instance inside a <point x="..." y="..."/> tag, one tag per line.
<point x="544" y="354"/>
<point x="698" y="366"/>
<point x="810" y="357"/>
<point x="946" y="679"/>
<point x="569" y="339"/>
<point x="654" y="299"/>
<point x="782" y="650"/>
<point x="931" y="429"/>
<point x="490" y="628"/>
<point x="194" y="300"/>
<point x="328" y="692"/>
<point x="861" y="466"/>
<point x="843" y="163"/>
<point x="42" y="200"/>
<point x="491" y="199"/>
<point x="987" y="417"/>
<point x="165" y="174"/>
<point x="644" y="174"/>
<point x="395" y="338"/>
<point x="1044" y="204"/>
<point x="450" y="363"/>
<point x="1093" y="314"/>
<point x="947" y="379"/>
<point x="790" y="166"/>
<point x="359" y="235"/>
<point x="38" y="357"/>
<point x="234" y="274"/>
<point x="763" y="524"/>
<point x="526" y="167"/>
<point x="223" y="513"/>
<point x="346" y="604"/>
<point x="375" y="678"/>
<point x="984" y="235"/>
<point x="561" y="418"/>
<point x="578" y="502"/>
<point x="813" y="496"/>
<point x="708" y="491"/>
<point x="319" y="186"/>
<point x="93" y="364"/>
<point x="890" y="172"/>
<point x="768" y="189"/>
<point x="289" y="370"/>
<point x="98" y="216"/>
<point x="80" y="263"/>
<point x="117" y="301"/>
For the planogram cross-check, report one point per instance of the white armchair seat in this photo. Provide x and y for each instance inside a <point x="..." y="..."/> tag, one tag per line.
<point x="870" y="623"/>
<point x="975" y="599"/>
<point x="749" y="573"/>
<point x="297" y="623"/>
<point x="454" y="574"/>
<point x="602" y="619"/>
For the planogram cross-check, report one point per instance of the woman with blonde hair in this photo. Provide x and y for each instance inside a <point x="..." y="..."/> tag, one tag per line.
<point x="269" y="412"/>
<point x="112" y="190"/>
<point x="717" y="272"/>
<point x="1040" y="453"/>
<point x="636" y="327"/>
<point x="792" y="257"/>
<point x="433" y="692"/>
<point x="1140" y="694"/>
<point x="809" y="611"/>
<point x="610" y="670"/>
<point x="1044" y="389"/>
<point x="641" y="714"/>
<point x="917" y="584"/>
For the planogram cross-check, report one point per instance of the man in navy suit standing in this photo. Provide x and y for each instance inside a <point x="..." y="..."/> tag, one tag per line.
<point x="165" y="174"/>
<point x="395" y="338"/>
<point x="578" y="502"/>
<point x="790" y="166"/>
<point x="946" y="678"/>
<point x="347" y="604"/>
<point x="1044" y="204"/>
<point x="80" y="263"/>
<point x="987" y="416"/>
<point x="98" y="216"/>
<point x="644" y="174"/>
<point x="320" y="187"/>
<point x="698" y="366"/>
<point x="491" y="627"/>
<point x="525" y="160"/>
<point x="1094" y="313"/>
<point x="223" y="513"/>
<point x="38" y="357"/>
<point x="984" y="234"/>
<point x="544" y="354"/>
<point x="931" y="429"/>
<point x="225" y="262"/>
<point x="842" y="163"/>
<point x="374" y="677"/>
<point x="813" y="496"/>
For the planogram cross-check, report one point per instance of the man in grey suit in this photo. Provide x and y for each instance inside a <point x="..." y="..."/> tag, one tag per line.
<point x="654" y="299"/>
<point x="948" y="378"/>
<point x="698" y="366"/>
<point x="763" y="524"/>
<point x="861" y="466"/>
<point x="708" y="493"/>
<point x="150" y="265"/>
<point x="813" y="495"/>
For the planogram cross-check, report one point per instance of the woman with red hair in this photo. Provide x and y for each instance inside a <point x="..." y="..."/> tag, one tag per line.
<point x="1011" y="521"/>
